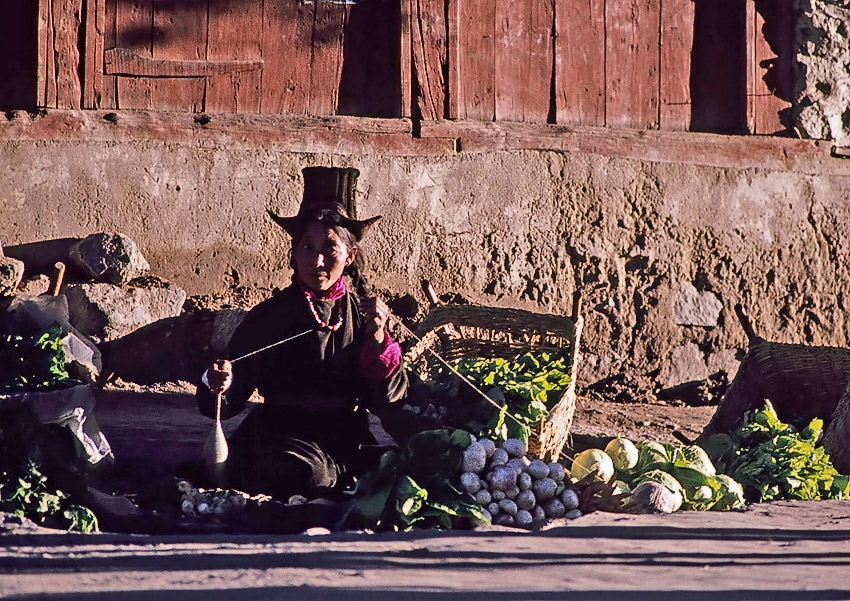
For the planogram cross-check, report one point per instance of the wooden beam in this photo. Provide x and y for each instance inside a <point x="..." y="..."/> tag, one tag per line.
<point x="119" y="61"/>
<point x="453" y="87"/>
<point x="67" y="23"/>
<point x="405" y="58"/>
<point x="326" y="54"/>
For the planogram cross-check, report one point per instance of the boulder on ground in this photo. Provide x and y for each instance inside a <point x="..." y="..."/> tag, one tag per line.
<point x="11" y="273"/>
<point x="170" y="350"/>
<point x="107" y="312"/>
<point x="110" y="258"/>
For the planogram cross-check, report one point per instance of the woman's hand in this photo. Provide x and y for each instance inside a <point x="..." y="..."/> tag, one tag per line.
<point x="375" y="313"/>
<point x="220" y="376"/>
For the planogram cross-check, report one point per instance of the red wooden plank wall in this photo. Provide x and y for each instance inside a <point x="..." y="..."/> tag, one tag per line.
<point x="616" y="63"/>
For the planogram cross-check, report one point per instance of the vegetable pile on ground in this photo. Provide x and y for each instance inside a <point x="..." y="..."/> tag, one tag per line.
<point x="513" y="489"/>
<point x="25" y="444"/>
<point x="37" y="460"/>
<point x="773" y="461"/>
<point x="417" y="486"/>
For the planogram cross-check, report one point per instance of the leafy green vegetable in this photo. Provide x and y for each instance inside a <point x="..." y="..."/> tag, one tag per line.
<point x="531" y="385"/>
<point x="33" y="361"/>
<point x="412" y="487"/>
<point x="24" y="488"/>
<point x="772" y="461"/>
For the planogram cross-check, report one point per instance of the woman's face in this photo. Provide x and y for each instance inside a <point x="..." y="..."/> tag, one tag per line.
<point x="320" y="257"/>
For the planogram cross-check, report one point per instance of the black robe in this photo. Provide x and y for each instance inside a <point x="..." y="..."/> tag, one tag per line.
<point x="313" y="425"/>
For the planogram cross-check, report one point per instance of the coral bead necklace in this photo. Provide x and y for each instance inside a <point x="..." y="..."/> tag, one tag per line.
<point x="322" y="325"/>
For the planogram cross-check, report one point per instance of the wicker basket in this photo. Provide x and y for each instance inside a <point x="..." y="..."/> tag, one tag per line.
<point x="802" y="382"/>
<point x="837" y="435"/>
<point x="460" y="331"/>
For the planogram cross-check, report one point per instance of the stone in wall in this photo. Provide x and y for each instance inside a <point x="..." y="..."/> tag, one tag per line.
<point x="695" y="308"/>
<point x="822" y="103"/>
<point x="110" y="258"/>
<point x="685" y="364"/>
<point x="106" y="312"/>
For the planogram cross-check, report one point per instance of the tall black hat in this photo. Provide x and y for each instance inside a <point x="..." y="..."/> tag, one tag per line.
<point x="328" y="197"/>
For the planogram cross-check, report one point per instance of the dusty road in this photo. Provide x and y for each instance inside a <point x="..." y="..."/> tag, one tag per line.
<point x="771" y="551"/>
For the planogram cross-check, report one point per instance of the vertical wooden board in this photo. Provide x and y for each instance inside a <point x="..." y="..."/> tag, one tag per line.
<point x="453" y="89"/>
<point x="179" y="33"/>
<point x="107" y="88"/>
<point x="134" y="31"/>
<point x="632" y="62"/>
<point x="677" y="38"/>
<point x="751" y="64"/>
<point x="45" y="53"/>
<point x="523" y="61"/>
<point x="429" y="49"/>
<point x="90" y="53"/>
<point x="235" y="33"/>
<point x="285" y="81"/>
<point x="67" y="23"/>
<point x="580" y="62"/>
<point x="405" y="59"/>
<point x="326" y="57"/>
<point x="772" y="49"/>
<point x="476" y="60"/>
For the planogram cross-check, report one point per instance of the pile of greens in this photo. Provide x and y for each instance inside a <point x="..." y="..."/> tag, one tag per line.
<point x="25" y="490"/>
<point x="529" y="386"/>
<point x="33" y="361"/>
<point x="773" y="461"/>
<point x="412" y="487"/>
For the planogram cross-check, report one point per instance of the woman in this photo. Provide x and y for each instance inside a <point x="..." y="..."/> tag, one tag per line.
<point x="311" y="434"/>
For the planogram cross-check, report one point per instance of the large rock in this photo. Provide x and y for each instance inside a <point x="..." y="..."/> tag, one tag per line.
<point x="106" y="312"/>
<point x="11" y="273"/>
<point x="110" y="258"/>
<point x="174" y="349"/>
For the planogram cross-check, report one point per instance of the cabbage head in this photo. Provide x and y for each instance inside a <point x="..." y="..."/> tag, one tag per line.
<point x="662" y="477"/>
<point x="651" y="455"/>
<point x="694" y="456"/>
<point x="666" y="480"/>
<point x="731" y="494"/>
